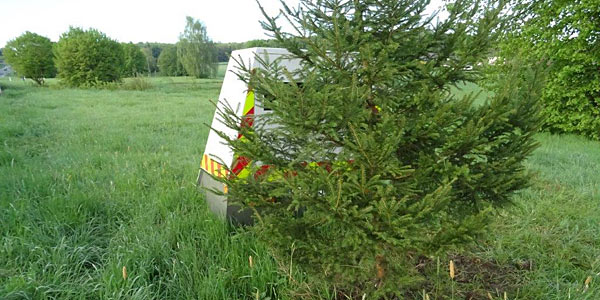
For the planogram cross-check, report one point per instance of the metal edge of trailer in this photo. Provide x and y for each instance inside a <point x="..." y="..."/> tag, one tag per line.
<point x="218" y="204"/>
<point x="234" y="92"/>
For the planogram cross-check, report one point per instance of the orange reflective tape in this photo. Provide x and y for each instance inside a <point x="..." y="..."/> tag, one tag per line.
<point x="213" y="167"/>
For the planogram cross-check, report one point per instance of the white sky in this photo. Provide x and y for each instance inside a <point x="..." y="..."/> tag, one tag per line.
<point x="137" y="20"/>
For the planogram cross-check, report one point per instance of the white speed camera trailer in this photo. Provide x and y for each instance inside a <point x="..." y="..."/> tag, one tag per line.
<point x="236" y="94"/>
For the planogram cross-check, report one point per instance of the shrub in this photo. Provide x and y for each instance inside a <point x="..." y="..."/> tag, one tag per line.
<point x="563" y="34"/>
<point x="30" y="55"/>
<point x="372" y="162"/>
<point x="88" y="58"/>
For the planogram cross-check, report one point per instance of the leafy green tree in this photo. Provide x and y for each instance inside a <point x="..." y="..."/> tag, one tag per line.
<point x="368" y="160"/>
<point x="30" y="55"/>
<point x="135" y="61"/>
<point x="196" y="51"/>
<point x="155" y="48"/>
<point x="88" y="58"/>
<point x="565" y="35"/>
<point x="168" y="64"/>
<point x="150" y="60"/>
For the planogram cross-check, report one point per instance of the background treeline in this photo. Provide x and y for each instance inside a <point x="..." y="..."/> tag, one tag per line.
<point x="88" y="57"/>
<point x="168" y="65"/>
<point x="225" y="49"/>
<point x="145" y="58"/>
<point x="148" y="60"/>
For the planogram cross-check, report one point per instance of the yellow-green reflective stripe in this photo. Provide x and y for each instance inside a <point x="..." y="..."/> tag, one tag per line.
<point x="249" y="104"/>
<point x="244" y="173"/>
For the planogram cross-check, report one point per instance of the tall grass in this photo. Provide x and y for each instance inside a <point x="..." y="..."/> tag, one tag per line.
<point x="92" y="181"/>
<point x="137" y="83"/>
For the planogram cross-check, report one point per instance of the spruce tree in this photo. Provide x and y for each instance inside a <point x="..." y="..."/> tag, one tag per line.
<point x="372" y="160"/>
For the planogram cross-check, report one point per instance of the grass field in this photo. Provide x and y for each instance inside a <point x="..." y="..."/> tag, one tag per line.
<point x="92" y="181"/>
<point x="98" y="201"/>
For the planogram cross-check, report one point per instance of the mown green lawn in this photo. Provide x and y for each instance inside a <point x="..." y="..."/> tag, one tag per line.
<point x="95" y="181"/>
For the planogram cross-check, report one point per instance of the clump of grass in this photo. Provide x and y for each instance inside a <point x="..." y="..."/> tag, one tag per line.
<point x="137" y="83"/>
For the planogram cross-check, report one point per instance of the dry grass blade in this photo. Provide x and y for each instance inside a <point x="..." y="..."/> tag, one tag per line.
<point x="452" y="269"/>
<point x="588" y="280"/>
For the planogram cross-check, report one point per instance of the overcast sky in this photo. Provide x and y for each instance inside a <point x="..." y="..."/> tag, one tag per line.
<point x="137" y="20"/>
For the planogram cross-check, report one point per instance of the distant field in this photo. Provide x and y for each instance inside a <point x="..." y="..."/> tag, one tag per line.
<point x="92" y="181"/>
<point x="222" y="69"/>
